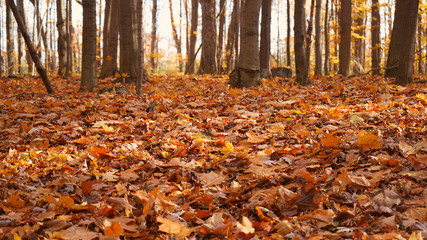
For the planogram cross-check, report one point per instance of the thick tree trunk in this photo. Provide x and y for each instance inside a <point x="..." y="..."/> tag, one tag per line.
<point x="420" y="45"/>
<point x="69" y="26"/>
<point x="308" y="34"/>
<point x="359" y="43"/>
<point x="345" y="40"/>
<point x="128" y="40"/>
<point x="247" y="74"/>
<point x="405" y="70"/>
<point x="191" y="67"/>
<point x="153" y="57"/>
<point x="30" y="46"/>
<point x="111" y="33"/>
<point x="176" y="37"/>
<point x="318" y="37"/>
<point x="326" y="40"/>
<point x="265" y="39"/>
<point x="10" y="42"/>
<point x="301" y="67"/>
<point x="62" y="37"/>
<point x="395" y="41"/>
<point x="20" y="6"/>
<point x="375" y="37"/>
<point x="140" y="78"/>
<point x="222" y="13"/>
<point x="89" y="80"/>
<point x="209" y="38"/>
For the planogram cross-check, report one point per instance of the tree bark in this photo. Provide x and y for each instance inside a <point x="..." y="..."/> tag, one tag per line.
<point x="222" y="13"/>
<point x="247" y="74"/>
<point x="69" y="26"/>
<point x="10" y="42"/>
<point x="308" y="34"/>
<point x="318" y="37"/>
<point x="231" y="36"/>
<point x="288" y="33"/>
<point x="326" y="40"/>
<point x="128" y="40"/>
<point x="176" y="37"/>
<point x="345" y="38"/>
<point x="375" y="38"/>
<point x="395" y="40"/>
<point x="140" y="78"/>
<point x="30" y="46"/>
<point x="420" y="45"/>
<point x="191" y="67"/>
<point x="301" y="67"/>
<point x="111" y="33"/>
<point x="209" y="38"/>
<point x="89" y="80"/>
<point x="62" y="37"/>
<point x="153" y="54"/>
<point x="265" y="39"/>
<point x="405" y="69"/>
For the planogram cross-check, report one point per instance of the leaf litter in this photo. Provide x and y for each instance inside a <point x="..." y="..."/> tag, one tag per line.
<point x="194" y="159"/>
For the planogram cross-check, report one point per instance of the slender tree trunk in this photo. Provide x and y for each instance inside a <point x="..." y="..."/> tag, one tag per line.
<point x="153" y="54"/>
<point x="420" y="45"/>
<point x="176" y="37"/>
<point x="318" y="37"/>
<point x="345" y="40"/>
<point x="288" y="33"/>
<point x="375" y="37"/>
<point x="191" y="67"/>
<point x="89" y="80"/>
<point x="326" y="40"/>
<point x="209" y="38"/>
<point x="1" y="55"/>
<point x="247" y="74"/>
<point x="10" y="42"/>
<point x="30" y="46"/>
<point x="405" y="70"/>
<point x="187" y="32"/>
<point x="62" y="37"/>
<point x="140" y="78"/>
<point x="265" y="39"/>
<point x="231" y="35"/>
<point x="69" y="66"/>
<point x="111" y="33"/>
<point x="308" y="34"/>
<point x="301" y="67"/>
<point x="222" y="13"/>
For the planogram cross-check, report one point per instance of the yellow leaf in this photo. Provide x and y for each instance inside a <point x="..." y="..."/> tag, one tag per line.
<point x="369" y="141"/>
<point x="173" y="227"/>
<point x="416" y="236"/>
<point x="299" y="112"/>
<point x="330" y="140"/>
<point x="114" y="230"/>
<point x="16" y="237"/>
<point x="228" y="148"/>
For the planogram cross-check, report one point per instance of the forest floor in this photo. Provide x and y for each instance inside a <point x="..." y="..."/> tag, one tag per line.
<point x="194" y="159"/>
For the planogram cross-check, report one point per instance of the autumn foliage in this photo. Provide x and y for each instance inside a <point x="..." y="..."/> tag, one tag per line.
<point x="342" y="158"/>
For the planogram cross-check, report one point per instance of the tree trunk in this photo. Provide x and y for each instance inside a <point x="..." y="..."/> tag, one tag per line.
<point x="222" y="13"/>
<point x="153" y="54"/>
<point x="176" y="37"/>
<point x="209" y="38"/>
<point x="375" y="37"/>
<point x="308" y="34"/>
<point x="69" y="25"/>
<point x="406" y="50"/>
<point x="89" y="79"/>
<point x="140" y="78"/>
<point x="111" y="33"/>
<point x="265" y="39"/>
<point x="20" y="6"/>
<point x="288" y="35"/>
<point x="301" y="67"/>
<point x="10" y="42"/>
<point x="30" y="46"/>
<point x="128" y="40"/>
<point x="318" y="37"/>
<point x="420" y="45"/>
<point x="395" y="40"/>
<point x="345" y="37"/>
<point x="247" y="74"/>
<point x="231" y="36"/>
<point x="191" y="67"/>
<point x="326" y="39"/>
<point x="359" y="44"/>
<point x="62" y="37"/>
